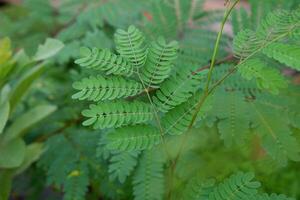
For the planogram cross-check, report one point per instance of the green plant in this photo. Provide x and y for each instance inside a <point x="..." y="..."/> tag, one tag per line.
<point x="170" y="99"/>
<point x="176" y="113"/>
<point x="15" y="154"/>
<point x="237" y="186"/>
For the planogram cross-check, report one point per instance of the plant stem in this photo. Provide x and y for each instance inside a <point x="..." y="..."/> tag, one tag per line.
<point x="221" y="61"/>
<point x="233" y="69"/>
<point x="217" y="44"/>
<point x="206" y="91"/>
<point x="67" y="124"/>
<point x="156" y="117"/>
<point x="212" y="65"/>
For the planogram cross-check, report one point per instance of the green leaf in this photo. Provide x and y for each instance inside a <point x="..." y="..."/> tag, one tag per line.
<point x="6" y="63"/>
<point x="77" y="181"/>
<point x="276" y="135"/>
<point x="49" y="49"/>
<point x="5" y="52"/>
<point x="277" y="25"/>
<point x="4" y="114"/>
<point x="23" y="85"/>
<point x="6" y="177"/>
<point x="266" y="77"/>
<point x="96" y="88"/>
<point x="245" y="43"/>
<point x="33" y="152"/>
<point x="122" y="164"/>
<point x="232" y="111"/>
<point x="178" y="88"/>
<point x="28" y="119"/>
<point x="148" y="180"/>
<point x="178" y="119"/>
<point x="287" y="54"/>
<point x="137" y="137"/>
<point x="104" y="60"/>
<point x="271" y="197"/>
<point x="160" y="61"/>
<point x="116" y="114"/>
<point x="198" y="189"/>
<point x="131" y="45"/>
<point x="12" y="153"/>
<point x="22" y="59"/>
<point x="239" y="186"/>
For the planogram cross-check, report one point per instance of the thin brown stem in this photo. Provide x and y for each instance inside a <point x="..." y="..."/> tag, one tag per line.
<point x="70" y="22"/>
<point x="219" y="62"/>
<point x="67" y="124"/>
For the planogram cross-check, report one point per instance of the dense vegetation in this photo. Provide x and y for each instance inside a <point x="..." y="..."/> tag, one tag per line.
<point x="127" y="99"/>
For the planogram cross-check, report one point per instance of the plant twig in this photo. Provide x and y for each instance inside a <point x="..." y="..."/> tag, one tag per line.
<point x="216" y="48"/>
<point x="232" y="70"/>
<point x="219" y="62"/>
<point x="212" y="65"/>
<point x="67" y="124"/>
<point x="206" y="91"/>
<point x="70" y="22"/>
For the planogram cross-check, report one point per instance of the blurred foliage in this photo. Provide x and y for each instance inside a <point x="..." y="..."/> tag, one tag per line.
<point x="73" y="161"/>
<point x="18" y="72"/>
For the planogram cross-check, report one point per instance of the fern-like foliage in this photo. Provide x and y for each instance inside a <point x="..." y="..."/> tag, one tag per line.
<point x="233" y="116"/>
<point x="287" y="54"/>
<point x="159" y="63"/>
<point x="138" y="137"/>
<point x="178" y="119"/>
<point x="271" y="197"/>
<point x="104" y="60"/>
<point x="96" y="88"/>
<point x="71" y="166"/>
<point x="75" y="186"/>
<point x="240" y="20"/>
<point x="122" y="164"/>
<point x="164" y="94"/>
<point x="198" y="189"/>
<point x="177" y="89"/>
<point x="239" y="186"/>
<point x="151" y="69"/>
<point x="148" y="180"/>
<point x="240" y="114"/>
<point x="234" y="83"/>
<point x="277" y="26"/>
<point x="131" y="45"/>
<point x="245" y="43"/>
<point x="116" y="114"/>
<point x="266" y="77"/>
<point x="277" y="138"/>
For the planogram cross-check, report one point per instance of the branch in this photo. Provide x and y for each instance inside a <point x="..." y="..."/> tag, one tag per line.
<point x="219" y="62"/>
<point x="67" y="124"/>
<point x="206" y="91"/>
<point x="70" y="22"/>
